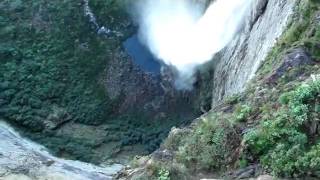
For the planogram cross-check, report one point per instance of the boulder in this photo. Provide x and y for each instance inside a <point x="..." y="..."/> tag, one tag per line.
<point x="297" y="57"/>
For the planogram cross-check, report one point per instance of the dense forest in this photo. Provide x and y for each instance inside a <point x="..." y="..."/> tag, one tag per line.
<point x="53" y="66"/>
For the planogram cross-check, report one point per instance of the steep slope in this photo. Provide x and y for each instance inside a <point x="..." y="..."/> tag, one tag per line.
<point x="272" y="126"/>
<point x="241" y="59"/>
<point x="67" y="83"/>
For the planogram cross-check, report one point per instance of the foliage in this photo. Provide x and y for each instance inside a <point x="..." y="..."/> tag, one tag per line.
<point x="281" y="136"/>
<point x="242" y="112"/>
<point x="298" y="33"/>
<point x="283" y="142"/>
<point x="68" y="147"/>
<point x="175" y="139"/>
<point x="210" y="145"/>
<point x="232" y="99"/>
<point x="45" y="65"/>
<point x="51" y="61"/>
<point x="163" y="174"/>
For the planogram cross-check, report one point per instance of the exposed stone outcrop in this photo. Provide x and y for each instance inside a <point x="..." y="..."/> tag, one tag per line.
<point x="23" y="159"/>
<point x="297" y="57"/>
<point x="239" y="61"/>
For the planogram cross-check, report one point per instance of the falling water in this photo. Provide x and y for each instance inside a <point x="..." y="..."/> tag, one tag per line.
<point x="182" y="36"/>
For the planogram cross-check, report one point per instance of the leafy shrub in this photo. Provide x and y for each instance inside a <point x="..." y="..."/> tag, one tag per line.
<point x="310" y="161"/>
<point x="232" y="99"/>
<point x="51" y="58"/>
<point x="294" y="33"/>
<point x="242" y="112"/>
<point x="283" y="144"/>
<point x="163" y="174"/>
<point x="242" y="163"/>
<point x="175" y="139"/>
<point x="210" y="145"/>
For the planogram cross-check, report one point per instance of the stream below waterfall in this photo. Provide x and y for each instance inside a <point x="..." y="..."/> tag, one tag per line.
<point x="141" y="56"/>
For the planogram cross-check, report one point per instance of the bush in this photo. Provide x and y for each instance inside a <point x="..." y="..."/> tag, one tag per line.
<point x="242" y="112"/>
<point x="163" y="174"/>
<point x="175" y="139"/>
<point x="283" y="144"/>
<point x="210" y="145"/>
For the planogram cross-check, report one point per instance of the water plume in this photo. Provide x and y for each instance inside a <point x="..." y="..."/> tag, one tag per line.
<point x="185" y="34"/>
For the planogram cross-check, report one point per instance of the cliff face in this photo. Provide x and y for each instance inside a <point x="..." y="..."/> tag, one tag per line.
<point x="239" y="61"/>
<point x="271" y="125"/>
<point x="74" y="126"/>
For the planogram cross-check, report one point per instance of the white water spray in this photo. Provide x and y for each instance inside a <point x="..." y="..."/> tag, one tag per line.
<point x="181" y="35"/>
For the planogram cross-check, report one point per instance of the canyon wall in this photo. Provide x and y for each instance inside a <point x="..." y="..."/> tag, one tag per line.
<point x="239" y="61"/>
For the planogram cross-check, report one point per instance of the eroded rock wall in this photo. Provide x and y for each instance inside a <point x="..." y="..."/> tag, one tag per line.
<point x="239" y="61"/>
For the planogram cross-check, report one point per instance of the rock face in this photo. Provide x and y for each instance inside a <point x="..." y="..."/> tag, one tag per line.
<point x="297" y="57"/>
<point x="239" y="61"/>
<point x="23" y="159"/>
<point x="145" y="92"/>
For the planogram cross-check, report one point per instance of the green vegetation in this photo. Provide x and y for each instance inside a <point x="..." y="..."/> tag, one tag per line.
<point x="51" y="67"/>
<point x="303" y="31"/>
<point x="51" y="60"/>
<point x="164" y="175"/>
<point x="242" y="112"/>
<point x="275" y="125"/>
<point x="285" y="140"/>
<point x="48" y="64"/>
<point x="210" y="145"/>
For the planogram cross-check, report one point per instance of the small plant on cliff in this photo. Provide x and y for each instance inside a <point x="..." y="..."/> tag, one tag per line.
<point x="285" y="144"/>
<point x="163" y="174"/>
<point x="242" y="112"/>
<point x="211" y="144"/>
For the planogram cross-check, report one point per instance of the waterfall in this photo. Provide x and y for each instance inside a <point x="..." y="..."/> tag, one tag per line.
<point x="181" y="35"/>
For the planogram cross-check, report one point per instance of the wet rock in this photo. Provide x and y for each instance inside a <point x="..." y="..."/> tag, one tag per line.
<point x="297" y="57"/>
<point x="247" y="172"/>
<point x="23" y="159"/>
<point x="163" y="155"/>
<point x="317" y="18"/>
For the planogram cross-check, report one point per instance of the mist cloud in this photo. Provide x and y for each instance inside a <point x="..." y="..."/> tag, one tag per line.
<point x="183" y="35"/>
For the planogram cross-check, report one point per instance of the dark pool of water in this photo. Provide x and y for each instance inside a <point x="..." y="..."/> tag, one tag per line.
<point x="141" y="55"/>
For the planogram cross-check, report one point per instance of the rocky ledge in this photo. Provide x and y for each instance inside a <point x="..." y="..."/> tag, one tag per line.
<point x="21" y="159"/>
